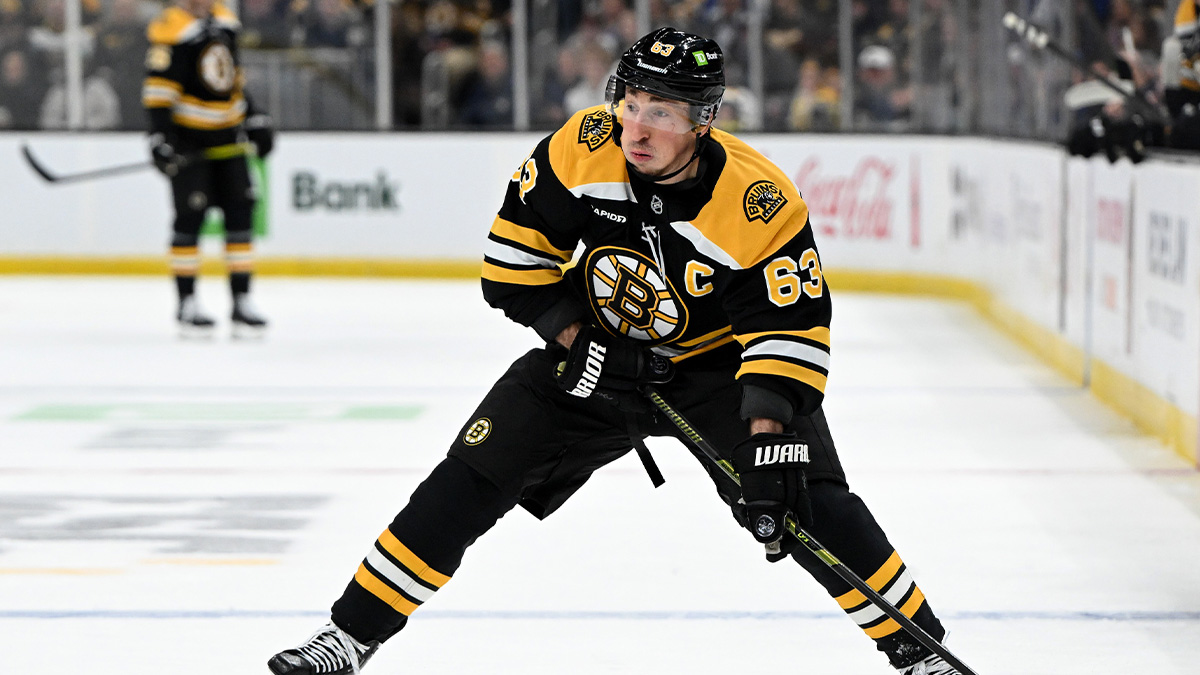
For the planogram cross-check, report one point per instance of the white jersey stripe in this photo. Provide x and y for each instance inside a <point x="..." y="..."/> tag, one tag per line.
<point x="398" y="576"/>
<point x="703" y="245"/>
<point x="793" y="350"/>
<point x="514" y="256"/>
<point x="614" y="191"/>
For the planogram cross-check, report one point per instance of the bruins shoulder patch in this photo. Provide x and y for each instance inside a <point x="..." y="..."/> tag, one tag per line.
<point x="595" y="128"/>
<point x="763" y="200"/>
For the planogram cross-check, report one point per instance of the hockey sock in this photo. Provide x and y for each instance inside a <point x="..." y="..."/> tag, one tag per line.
<point x="844" y="524"/>
<point x="416" y="555"/>
<point x="185" y="286"/>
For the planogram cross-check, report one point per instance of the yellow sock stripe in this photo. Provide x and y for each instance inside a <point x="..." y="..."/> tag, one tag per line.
<point x="384" y="592"/>
<point x="400" y="552"/>
<point x="238" y="248"/>
<point x="909" y="608"/>
<point x="877" y="581"/>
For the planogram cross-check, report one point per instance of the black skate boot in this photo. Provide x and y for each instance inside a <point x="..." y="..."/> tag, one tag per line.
<point x="193" y="322"/>
<point x="330" y="651"/>
<point x="247" y="322"/>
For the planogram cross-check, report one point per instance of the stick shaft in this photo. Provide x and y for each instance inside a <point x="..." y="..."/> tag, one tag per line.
<point x="218" y="152"/>
<point x="809" y="542"/>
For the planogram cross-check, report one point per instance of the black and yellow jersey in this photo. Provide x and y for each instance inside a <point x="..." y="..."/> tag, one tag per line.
<point x="721" y="267"/>
<point x="1187" y="29"/>
<point x="192" y="69"/>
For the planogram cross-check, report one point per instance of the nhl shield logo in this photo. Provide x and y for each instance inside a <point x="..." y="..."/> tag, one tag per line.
<point x="763" y="200"/>
<point x="595" y="129"/>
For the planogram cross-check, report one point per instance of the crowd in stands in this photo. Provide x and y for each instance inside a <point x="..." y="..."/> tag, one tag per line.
<point x="451" y="59"/>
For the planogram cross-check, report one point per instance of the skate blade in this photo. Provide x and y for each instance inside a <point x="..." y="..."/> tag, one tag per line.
<point x="242" y="331"/>
<point x="189" y="331"/>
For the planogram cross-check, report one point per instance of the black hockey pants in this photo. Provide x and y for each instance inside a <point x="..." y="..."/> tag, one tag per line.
<point x="531" y="444"/>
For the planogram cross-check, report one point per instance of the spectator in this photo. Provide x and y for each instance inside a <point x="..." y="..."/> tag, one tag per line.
<point x="334" y="23"/>
<point x="267" y="24"/>
<point x="487" y="100"/>
<point x="595" y="68"/>
<point x="19" y="93"/>
<point x="553" y="111"/>
<point x="101" y="108"/>
<point x="121" y="50"/>
<point x="882" y="104"/>
<point x="814" y="106"/>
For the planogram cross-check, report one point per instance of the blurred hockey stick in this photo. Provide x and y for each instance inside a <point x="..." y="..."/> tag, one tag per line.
<point x="807" y="540"/>
<point x="1038" y="38"/>
<point x="217" y="152"/>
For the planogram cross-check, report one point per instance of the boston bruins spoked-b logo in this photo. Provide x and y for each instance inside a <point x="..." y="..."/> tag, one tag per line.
<point x="763" y="200"/>
<point x="626" y="289"/>
<point x="595" y="129"/>
<point x="478" y="432"/>
<point x="217" y="71"/>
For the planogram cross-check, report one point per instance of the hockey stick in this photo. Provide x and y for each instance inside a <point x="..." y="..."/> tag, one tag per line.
<point x="217" y="152"/>
<point x="807" y="540"/>
<point x="1038" y="38"/>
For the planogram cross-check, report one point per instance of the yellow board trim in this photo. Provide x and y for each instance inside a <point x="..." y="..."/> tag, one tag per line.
<point x="400" y="552"/>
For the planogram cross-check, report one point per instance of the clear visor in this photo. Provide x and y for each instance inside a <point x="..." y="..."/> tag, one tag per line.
<point x="634" y="106"/>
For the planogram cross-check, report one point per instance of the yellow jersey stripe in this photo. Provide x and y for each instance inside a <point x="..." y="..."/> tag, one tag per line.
<point x="818" y="334"/>
<point x="384" y="592"/>
<point x="706" y="337"/>
<point x="538" y="277"/>
<point x="705" y="348"/>
<point x="400" y="552"/>
<point x="877" y="581"/>
<point x="528" y="237"/>
<point x="784" y="369"/>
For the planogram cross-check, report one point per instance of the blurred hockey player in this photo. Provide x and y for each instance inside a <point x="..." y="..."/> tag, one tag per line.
<point x="697" y="271"/>
<point x="199" y="114"/>
<point x="1181" y="77"/>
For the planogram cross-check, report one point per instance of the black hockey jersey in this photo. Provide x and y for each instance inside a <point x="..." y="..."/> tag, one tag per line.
<point x="723" y="266"/>
<point x="192" y="69"/>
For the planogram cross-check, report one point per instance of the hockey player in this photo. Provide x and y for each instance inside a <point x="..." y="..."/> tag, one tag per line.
<point x="696" y="249"/>
<point x="1181" y="77"/>
<point x="198" y="115"/>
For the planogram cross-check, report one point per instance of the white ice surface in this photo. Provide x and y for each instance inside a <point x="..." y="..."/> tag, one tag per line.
<point x="218" y="495"/>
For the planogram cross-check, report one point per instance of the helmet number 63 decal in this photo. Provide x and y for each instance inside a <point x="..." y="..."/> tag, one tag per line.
<point x="784" y="283"/>
<point x="660" y="48"/>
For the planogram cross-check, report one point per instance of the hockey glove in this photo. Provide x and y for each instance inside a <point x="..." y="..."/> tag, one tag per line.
<point x="771" y="468"/>
<point x="261" y="131"/>
<point x="163" y="153"/>
<point x="610" y="368"/>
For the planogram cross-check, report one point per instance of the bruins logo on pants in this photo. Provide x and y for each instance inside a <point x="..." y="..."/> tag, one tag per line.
<point x="626" y="289"/>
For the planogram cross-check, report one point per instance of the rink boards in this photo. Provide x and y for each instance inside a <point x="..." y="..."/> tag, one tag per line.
<point x="1092" y="265"/>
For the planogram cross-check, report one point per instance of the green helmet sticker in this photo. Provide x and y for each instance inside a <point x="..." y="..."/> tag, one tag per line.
<point x="701" y="59"/>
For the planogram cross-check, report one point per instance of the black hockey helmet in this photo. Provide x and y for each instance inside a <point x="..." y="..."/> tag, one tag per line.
<point x="674" y="65"/>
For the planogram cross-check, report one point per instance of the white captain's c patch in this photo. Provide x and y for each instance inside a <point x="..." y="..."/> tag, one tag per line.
<point x="626" y="289"/>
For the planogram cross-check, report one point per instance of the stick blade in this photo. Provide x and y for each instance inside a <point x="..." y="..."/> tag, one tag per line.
<point x="33" y="164"/>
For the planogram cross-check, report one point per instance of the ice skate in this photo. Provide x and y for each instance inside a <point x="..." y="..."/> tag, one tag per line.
<point x="330" y="651"/>
<point x="930" y="665"/>
<point x="193" y="321"/>
<point x="247" y="322"/>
